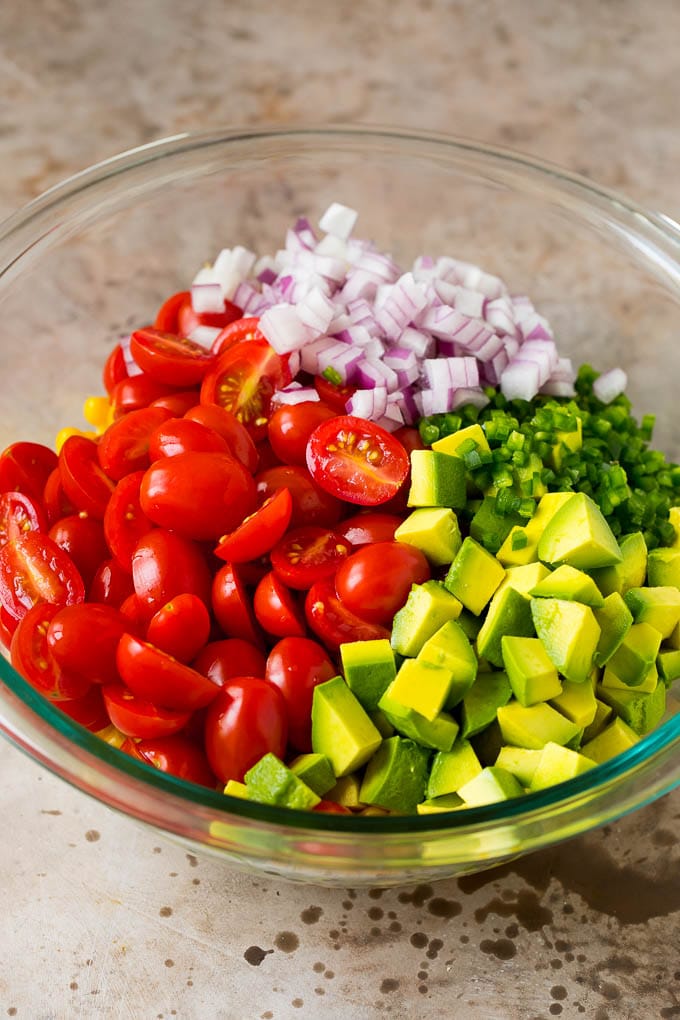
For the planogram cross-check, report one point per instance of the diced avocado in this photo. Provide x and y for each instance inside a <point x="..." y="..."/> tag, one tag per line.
<point x="612" y="740"/>
<point x="451" y="649"/>
<point x="437" y="479"/>
<point x="488" y="693"/>
<point x="381" y="723"/>
<point x="579" y="535"/>
<point x="532" y="675"/>
<point x="422" y="686"/>
<point x="396" y="775"/>
<point x="369" y="668"/>
<point x="428" y="606"/>
<point x="636" y="654"/>
<point x="452" y="769"/>
<point x="566" y="443"/>
<point x="569" y="583"/>
<point x="269" y="781"/>
<point x="490" y="528"/>
<point x="569" y="632"/>
<point x="524" y="578"/>
<point x="663" y="567"/>
<point x="451" y="444"/>
<point x="674" y="519"/>
<point x="341" y="729"/>
<point x="469" y="624"/>
<point x="474" y="576"/>
<point x="449" y="802"/>
<point x="535" y="726"/>
<point x="346" y="791"/>
<point x="668" y="665"/>
<point x="630" y="572"/>
<point x="577" y="702"/>
<point x="646" y="685"/>
<point x="673" y="641"/>
<point x="558" y="764"/>
<point x="615" y="620"/>
<point x="509" y="612"/>
<point x="433" y="530"/>
<point x="659" y="607"/>
<point x="641" y="710"/>
<point x="314" y="770"/>
<point x="438" y="733"/>
<point x="548" y="506"/>
<point x="236" y="789"/>
<point x="488" y="743"/>
<point x="603" y="714"/>
<point x="521" y="761"/>
<point x="492" y="784"/>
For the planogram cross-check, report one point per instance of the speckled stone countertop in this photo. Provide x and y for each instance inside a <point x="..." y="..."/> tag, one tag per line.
<point x="102" y="918"/>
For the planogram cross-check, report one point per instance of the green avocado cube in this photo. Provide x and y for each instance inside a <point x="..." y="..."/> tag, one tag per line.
<point x="646" y="685"/>
<point x="636" y="654"/>
<point x="427" y="608"/>
<point x="341" y="729"/>
<point x="579" y="535"/>
<point x="663" y="568"/>
<point x="668" y="665"/>
<point x="437" y="479"/>
<point x="532" y="675"/>
<point x="438" y="733"/>
<point x="490" y="528"/>
<point x="567" y="582"/>
<point x="474" y="576"/>
<point x="422" y="686"/>
<point x="269" y="781"/>
<point x="603" y="714"/>
<point x="642" y="710"/>
<point x="509" y="612"/>
<point x="433" y="530"/>
<point x="369" y="668"/>
<point x="547" y="507"/>
<point x="630" y="572"/>
<point x="521" y="761"/>
<point x="673" y="641"/>
<point x="577" y="702"/>
<point x="569" y="633"/>
<point x="612" y="740"/>
<point x="615" y="620"/>
<point x="491" y="785"/>
<point x="524" y="578"/>
<point x="381" y="723"/>
<point x="236" y="789"/>
<point x="450" y="648"/>
<point x="452" y="444"/>
<point x="557" y="764"/>
<point x="659" y="607"/>
<point x="452" y="769"/>
<point x="346" y="791"/>
<point x="535" y="726"/>
<point x="314" y="770"/>
<point x="488" y="693"/>
<point x="439" y="805"/>
<point x="396" y="775"/>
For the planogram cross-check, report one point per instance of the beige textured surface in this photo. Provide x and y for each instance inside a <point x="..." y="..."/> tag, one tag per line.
<point x="100" y="918"/>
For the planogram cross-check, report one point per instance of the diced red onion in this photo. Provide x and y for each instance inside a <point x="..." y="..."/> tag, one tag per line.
<point x="206" y="297"/>
<point x="343" y="358"/>
<point x="204" y="336"/>
<point x="520" y="380"/>
<point x="610" y="385"/>
<point x="282" y="327"/>
<point x="368" y="403"/>
<point x="405" y="300"/>
<point x="404" y="363"/>
<point x="338" y="220"/>
<point x="316" y="311"/>
<point x="295" y="394"/>
<point x="469" y="395"/>
<point x="422" y="344"/>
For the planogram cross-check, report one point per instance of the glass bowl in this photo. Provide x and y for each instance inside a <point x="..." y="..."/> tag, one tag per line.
<point x="103" y="249"/>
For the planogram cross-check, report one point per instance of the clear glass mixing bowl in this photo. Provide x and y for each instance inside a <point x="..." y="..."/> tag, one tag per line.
<point x="104" y="248"/>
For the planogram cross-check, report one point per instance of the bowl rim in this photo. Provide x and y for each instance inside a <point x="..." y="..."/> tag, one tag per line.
<point x="25" y="707"/>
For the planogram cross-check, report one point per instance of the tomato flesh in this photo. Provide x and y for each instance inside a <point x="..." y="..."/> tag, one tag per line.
<point x="333" y="622"/>
<point x="19" y="513"/>
<point x="243" y="381"/>
<point x="307" y="555"/>
<point x="296" y="665"/>
<point x="276" y="609"/>
<point x="374" y="581"/>
<point x="155" y="676"/>
<point x="181" y="627"/>
<point x="291" y="426"/>
<point x="357" y="460"/>
<point x="31" y="656"/>
<point x="136" y="717"/>
<point x="34" y="569"/>
<point x="168" y="358"/>
<point x="259" y="532"/>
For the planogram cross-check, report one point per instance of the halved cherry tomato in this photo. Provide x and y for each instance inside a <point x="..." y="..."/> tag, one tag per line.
<point x="311" y="505"/>
<point x="165" y="565"/>
<point x="232" y="607"/>
<point x="276" y="609"/>
<point x="259" y="532"/>
<point x="125" y="523"/>
<point x="306" y="555"/>
<point x="367" y="527"/>
<point x="137" y="391"/>
<point x="409" y="438"/>
<point x="246" y="720"/>
<point x="115" y="369"/>
<point x="31" y="656"/>
<point x="136" y="717"/>
<point x="243" y="381"/>
<point x="188" y="319"/>
<point x="169" y="358"/>
<point x="296" y="665"/>
<point x="357" y="460"/>
<point x="19" y="513"/>
<point x="85" y="483"/>
<point x="182" y="435"/>
<point x="329" y="807"/>
<point x="89" y="711"/>
<point x="83" y="639"/>
<point x="176" y="755"/>
<point x="82" y="537"/>
<point x="177" y="403"/>
<point x="111" y="584"/>
<point x="333" y="622"/>
<point x="167" y="317"/>
<point x="374" y="582"/>
<point x="332" y="395"/>
<point x="124" y="447"/>
<point x="230" y="428"/>
<point x="181" y="627"/>
<point x="56" y="502"/>
<point x="137" y="613"/>
<point x="7" y="627"/>
<point x="199" y="495"/>
<point x="34" y="569"/>
<point x="236" y="332"/>
<point x="25" y="467"/>
<point x="230" y="657"/>
<point x="157" y="677"/>
<point x="291" y="426"/>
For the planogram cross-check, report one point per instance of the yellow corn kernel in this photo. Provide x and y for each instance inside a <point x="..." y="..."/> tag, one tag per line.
<point x="98" y="412"/>
<point x="64" y="434"/>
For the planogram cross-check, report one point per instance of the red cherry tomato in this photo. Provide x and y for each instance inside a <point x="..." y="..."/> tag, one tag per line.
<point x="25" y="467"/>
<point x="409" y="438"/>
<point x="31" y="656"/>
<point x="306" y="555"/>
<point x="168" y="358"/>
<point x="167" y="318"/>
<point x="230" y="428"/>
<point x="89" y="711"/>
<point x="333" y="622"/>
<point x="136" y="717"/>
<point x="19" y="513"/>
<point x="296" y="666"/>
<point x="136" y="392"/>
<point x="243" y="381"/>
<point x="125" y="523"/>
<point x="223" y="660"/>
<point x="291" y="426"/>
<point x="157" y="677"/>
<point x="83" y="639"/>
<point x="246" y="720"/>
<point x="111" y="584"/>
<point x="56" y="502"/>
<point x="85" y="483"/>
<point x="231" y="606"/>
<point x="181" y="627"/>
<point x="276" y="608"/>
<point x="332" y="395"/>
<point x="266" y="457"/>
<point x="115" y="369"/>
<point x="357" y="460"/>
<point x="177" y="403"/>
<point x="7" y="627"/>
<point x="199" y="495"/>
<point x="34" y="569"/>
<point x="311" y="505"/>
<point x="367" y="527"/>
<point x="137" y="613"/>
<point x="374" y="582"/>
<point x="181" y="435"/>
<point x="188" y="319"/>
<point x="124" y="447"/>
<point x="329" y="807"/>
<point x="83" y="539"/>
<point x="165" y="565"/>
<point x="236" y="332"/>
<point x="176" y="755"/>
<point x="259" y="532"/>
